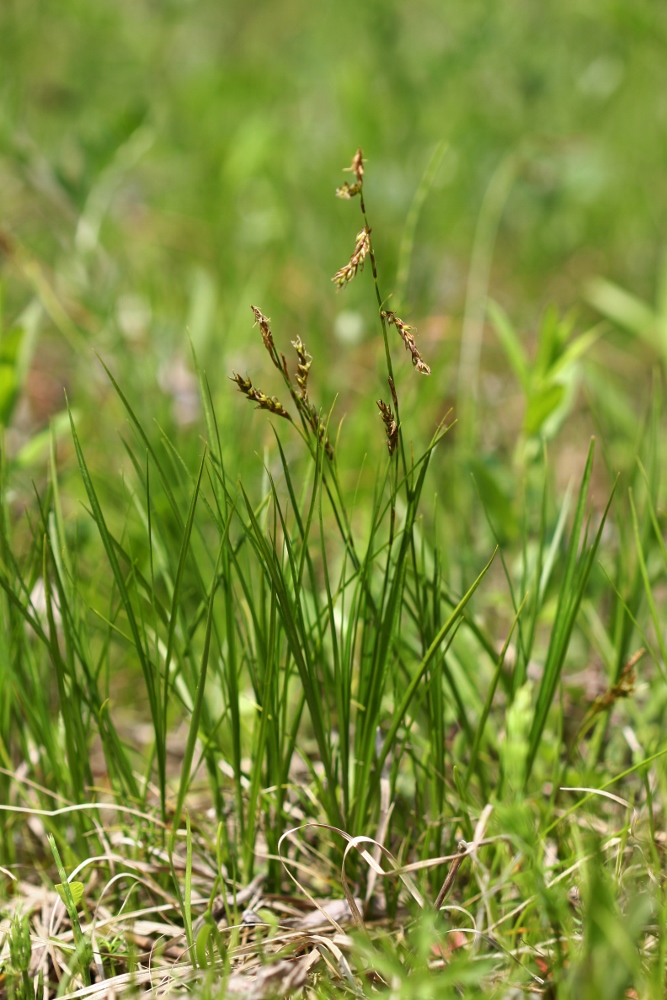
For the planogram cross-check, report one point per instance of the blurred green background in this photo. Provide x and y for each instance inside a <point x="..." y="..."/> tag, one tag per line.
<point x="163" y="165"/>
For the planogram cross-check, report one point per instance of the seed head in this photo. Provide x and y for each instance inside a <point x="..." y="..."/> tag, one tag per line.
<point x="356" y="263"/>
<point x="264" y="402"/>
<point x="303" y="368"/>
<point x="390" y="426"/>
<point x="357" y="167"/>
<point x="407" y="335"/>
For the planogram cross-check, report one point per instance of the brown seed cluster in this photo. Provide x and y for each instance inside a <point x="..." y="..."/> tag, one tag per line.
<point x="407" y="336"/>
<point x="264" y="402"/>
<point x="356" y="262"/>
<point x="390" y="425"/>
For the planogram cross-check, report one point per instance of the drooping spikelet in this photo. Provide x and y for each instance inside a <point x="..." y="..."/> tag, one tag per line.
<point x="356" y="262"/>
<point x="407" y="336"/>
<point x="264" y="402"/>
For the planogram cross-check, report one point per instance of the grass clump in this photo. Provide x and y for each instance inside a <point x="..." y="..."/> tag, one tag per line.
<point x="287" y="739"/>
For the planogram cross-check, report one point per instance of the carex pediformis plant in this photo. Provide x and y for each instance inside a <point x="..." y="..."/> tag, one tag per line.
<point x="366" y="645"/>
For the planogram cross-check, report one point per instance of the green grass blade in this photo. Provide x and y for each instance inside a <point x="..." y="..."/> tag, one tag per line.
<point x="570" y="597"/>
<point x="149" y="673"/>
<point x="198" y="703"/>
<point x="432" y="651"/>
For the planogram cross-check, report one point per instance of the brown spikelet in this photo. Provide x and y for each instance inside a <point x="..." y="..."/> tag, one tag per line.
<point x="357" y="167"/>
<point x="264" y="402"/>
<point x="267" y="336"/>
<point x="407" y="336"/>
<point x="356" y="262"/>
<point x="390" y="426"/>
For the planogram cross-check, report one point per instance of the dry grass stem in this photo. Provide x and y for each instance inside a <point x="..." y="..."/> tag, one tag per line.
<point x="451" y="875"/>
<point x="407" y="336"/>
<point x="356" y="262"/>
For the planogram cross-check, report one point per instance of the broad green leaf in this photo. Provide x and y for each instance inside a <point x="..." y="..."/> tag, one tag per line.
<point x="541" y="406"/>
<point x="76" y="889"/>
